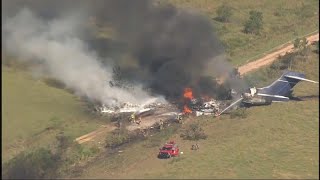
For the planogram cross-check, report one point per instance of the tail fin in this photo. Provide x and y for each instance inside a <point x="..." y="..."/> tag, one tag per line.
<point x="283" y="86"/>
<point x="296" y="77"/>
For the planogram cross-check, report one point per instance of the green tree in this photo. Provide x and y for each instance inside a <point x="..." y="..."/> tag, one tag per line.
<point x="224" y="13"/>
<point x="255" y="23"/>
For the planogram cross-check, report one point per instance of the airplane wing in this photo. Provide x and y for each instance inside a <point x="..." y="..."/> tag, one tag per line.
<point x="280" y="89"/>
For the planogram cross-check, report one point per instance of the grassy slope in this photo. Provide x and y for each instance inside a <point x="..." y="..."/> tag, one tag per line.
<point x="29" y="106"/>
<point x="276" y="141"/>
<point x="277" y="29"/>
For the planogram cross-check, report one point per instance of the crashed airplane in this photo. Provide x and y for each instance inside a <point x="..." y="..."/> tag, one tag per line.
<point x="279" y="91"/>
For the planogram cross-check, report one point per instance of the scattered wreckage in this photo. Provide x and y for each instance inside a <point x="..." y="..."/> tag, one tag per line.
<point x="211" y="107"/>
<point x="279" y="91"/>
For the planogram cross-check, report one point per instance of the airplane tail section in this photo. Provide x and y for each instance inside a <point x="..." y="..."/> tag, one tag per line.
<point x="283" y="86"/>
<point x="297" y="77"/>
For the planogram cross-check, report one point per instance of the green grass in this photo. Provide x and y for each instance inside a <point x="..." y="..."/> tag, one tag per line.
<point x="297" y="18"/>
<point x="29" y="106"/>
<point x="276" y="141"/>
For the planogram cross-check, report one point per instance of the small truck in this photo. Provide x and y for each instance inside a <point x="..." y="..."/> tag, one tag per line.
<point x="170" y="149"/>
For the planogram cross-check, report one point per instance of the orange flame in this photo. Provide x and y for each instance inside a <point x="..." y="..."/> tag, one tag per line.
<point x="186" y="110"/>
<point x="188" y="93"/>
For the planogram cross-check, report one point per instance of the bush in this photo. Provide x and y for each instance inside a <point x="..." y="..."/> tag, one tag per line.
<point x="118" y="137"/>
<point x="193" y="132"/>
<point x="239" y="113"/>
<point x="63" y="142"/>
<point x="255" y="23"/>
<point x="224" y="13"/>
<point x="41" y="163"/>
<point x="83" y="152"/>
<point x="300" y="44"/>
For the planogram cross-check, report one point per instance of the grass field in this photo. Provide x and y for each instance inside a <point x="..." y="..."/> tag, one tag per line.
<point x="294" y="19"/>
<point x="29" y="106"/>
<point x="276" y="141"/>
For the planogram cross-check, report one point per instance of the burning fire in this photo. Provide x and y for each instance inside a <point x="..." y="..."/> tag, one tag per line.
<point x="188" y="95"/>
<point x="186" y="110"/>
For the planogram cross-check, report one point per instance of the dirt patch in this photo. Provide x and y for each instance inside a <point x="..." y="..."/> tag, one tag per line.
<point x="90" y="136"/>
<point x="269" y="58"/>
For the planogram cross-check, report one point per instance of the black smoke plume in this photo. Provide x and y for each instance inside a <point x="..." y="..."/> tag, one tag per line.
<point x="168" y="48"/>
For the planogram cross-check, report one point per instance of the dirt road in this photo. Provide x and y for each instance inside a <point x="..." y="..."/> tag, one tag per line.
<point x="269" y="58"/>
<point x="90" y="136"/>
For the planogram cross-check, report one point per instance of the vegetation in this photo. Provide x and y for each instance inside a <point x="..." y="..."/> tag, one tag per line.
<point x="255" y="24"/>
<point x="287" y="61"/>
<point x="118" y="137"/>
<point x="193" y="132"/>
<point x="239" y="113"/>
<point x="276" y="141"/>
<point x="300" y="44"/>
<point x="34" y="113"/>
<point x="48" y="162"/>
<point x="277" y="29"/>
<point x="224" y="13"/>
<point x="34" y="165"/>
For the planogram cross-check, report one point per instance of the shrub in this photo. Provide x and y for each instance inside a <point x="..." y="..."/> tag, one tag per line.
<point x="193" y="132"/>
<point x="41" y="163"/>
<point x="83" y="152"/>
<point x="255" y="23"/>
<point x="118" y="137"/>
<point x="300" y="44"/>
<point x="239" y="113"/>
<point x="224" y="13"/>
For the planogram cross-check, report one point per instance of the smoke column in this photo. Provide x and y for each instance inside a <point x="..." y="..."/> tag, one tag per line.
<point x="62" y="55"/>
<point x="170" y="48"/>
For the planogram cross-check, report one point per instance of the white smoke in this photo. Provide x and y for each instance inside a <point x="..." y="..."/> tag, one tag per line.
<point x="64" y="56"/>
